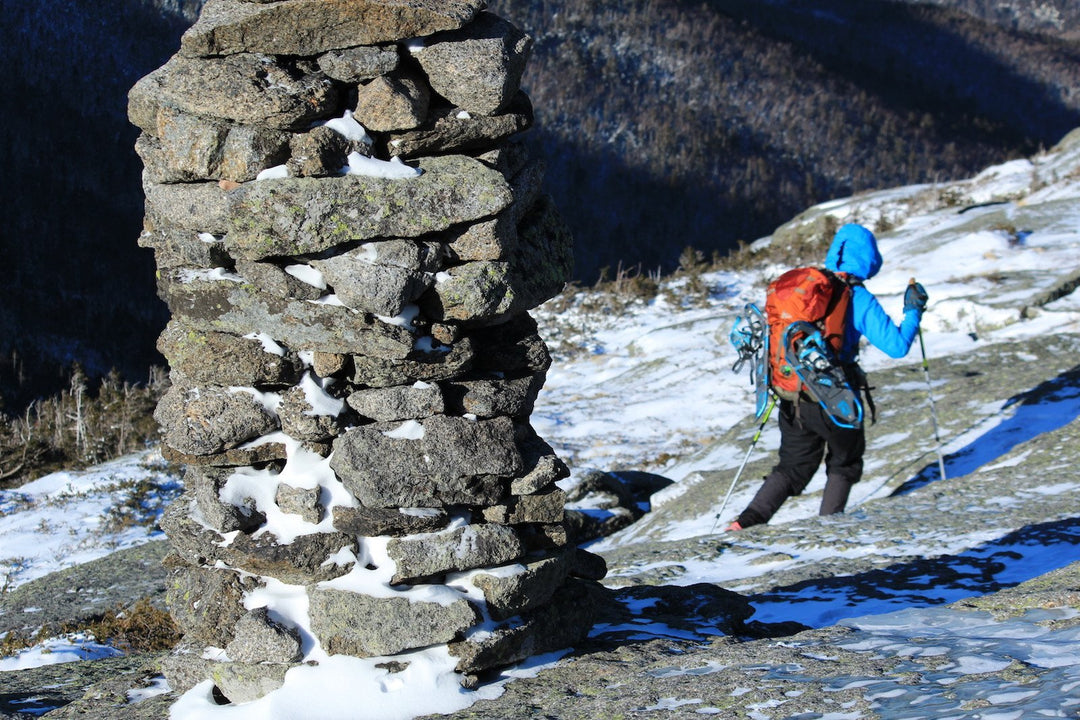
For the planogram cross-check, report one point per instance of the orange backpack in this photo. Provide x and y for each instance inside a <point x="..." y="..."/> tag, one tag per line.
<point x="807" y="294"/>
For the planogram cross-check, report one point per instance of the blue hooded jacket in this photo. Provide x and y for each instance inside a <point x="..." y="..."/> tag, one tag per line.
<point x="854" y="251"/>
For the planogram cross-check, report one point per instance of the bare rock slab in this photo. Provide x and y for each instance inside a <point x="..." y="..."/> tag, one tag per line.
<point x="305" y="560"/>
<point x="259" y="639"/>
<point x="510" y="397"/>
<point x="368" y="522"/>
<point x="542" y="466"/>
<point x="490" y="291"/>
<point x="532" y="585"/>
<point x="204" y="484"/>
<point x="382" y="277"/>
<point x="312" y="27"/>
<point x="274" y="280"/>
<point x="180" y="247"/>
<point x="545" y="507"/>
<point x="352" y="65"/>
<point x="186" y="148"/>
<point x="259" y="454"/>
<point x="116" y="579"/>
<point x="399" y="403"/>
<point x="449" y="129"/>
<point x="438" y="363"/>
<point x="301" y="421"/>
<point x="396" y="101"/>
<point x="205" y="603"/>
<point x="201" y="208"/>
<point x="565" y="620"/>
<point x="245" y="682"/>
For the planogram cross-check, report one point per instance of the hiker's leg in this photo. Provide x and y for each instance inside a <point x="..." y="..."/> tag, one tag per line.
<point x="800" y="455"/>
<point x="770" y="496"/>
<point x="835" y="497"/>
<point x="843" y="465"/>
<point x="802" y="444"/>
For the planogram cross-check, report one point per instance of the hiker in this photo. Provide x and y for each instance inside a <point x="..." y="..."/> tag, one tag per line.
<point x="806" y="431"/>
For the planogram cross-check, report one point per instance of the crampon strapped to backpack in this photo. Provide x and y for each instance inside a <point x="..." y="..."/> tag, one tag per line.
<point x="796" y="343"/>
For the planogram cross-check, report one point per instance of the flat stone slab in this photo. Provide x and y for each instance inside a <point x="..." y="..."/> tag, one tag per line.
<point x="479" y="67"/>
<point x="364" y="279"/>
<point x="186" y="148"/>
<point x="250" y="89"/>
<point x="238" y="362"/>
<point x="86" y="591"/>
<point x="312" y="27"/>
<point x="363" y="626"/>
<point x="210" y="419"/>
<point x="434" y="462"/>
<point x="491" y="291"/>
<point x="451" y="130"/>
<point x="210" y="304"/>
<point x="305" y="560"/>
<point x="297" y="216"/>
<point x="561" y="623"/>
<point x="523" y="587"/>
<point x="419" y="557"/>
<point x="368" y="522"/>
<point x="408" y="402"/>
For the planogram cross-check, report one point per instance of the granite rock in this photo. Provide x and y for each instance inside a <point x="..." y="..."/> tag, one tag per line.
<point x="363" y="626"/>
<point x="478" y="67"/>
<point x="312" y="27"/>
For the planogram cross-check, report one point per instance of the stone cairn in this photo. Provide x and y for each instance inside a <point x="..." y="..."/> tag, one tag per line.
<point x="349" y="238"/>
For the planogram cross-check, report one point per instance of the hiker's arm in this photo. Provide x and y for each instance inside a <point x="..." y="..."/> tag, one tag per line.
<point x="875" y="324"/>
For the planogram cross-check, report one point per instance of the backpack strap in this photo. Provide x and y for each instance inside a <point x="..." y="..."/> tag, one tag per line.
<point x="838" y="316"/>
<point x="856" y="375"/>
<point x="860" y="383"/>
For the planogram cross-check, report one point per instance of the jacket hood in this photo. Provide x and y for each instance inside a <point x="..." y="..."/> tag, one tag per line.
<point x="854" y="251"/>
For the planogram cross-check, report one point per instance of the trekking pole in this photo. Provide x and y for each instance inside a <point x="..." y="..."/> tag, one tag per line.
<point x="930" y="395"/>
<point x="753" y="443"/>
<point x="933" y="410"/>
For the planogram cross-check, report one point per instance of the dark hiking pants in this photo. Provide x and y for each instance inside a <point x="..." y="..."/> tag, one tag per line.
<point x="807" y="435"/>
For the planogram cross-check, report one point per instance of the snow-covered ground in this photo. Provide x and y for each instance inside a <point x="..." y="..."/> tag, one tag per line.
<point x="73" y="517"/>
<point x="652" y="390"/>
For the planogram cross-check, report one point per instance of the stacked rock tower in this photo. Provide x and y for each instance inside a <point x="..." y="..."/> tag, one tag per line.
<point x="349" y="239"/>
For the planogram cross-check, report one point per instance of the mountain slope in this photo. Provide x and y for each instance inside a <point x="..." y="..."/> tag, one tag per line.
<point x="1060" y="18"/>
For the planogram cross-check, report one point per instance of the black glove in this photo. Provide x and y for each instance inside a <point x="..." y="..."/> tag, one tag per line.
<point x="915" y="298"/>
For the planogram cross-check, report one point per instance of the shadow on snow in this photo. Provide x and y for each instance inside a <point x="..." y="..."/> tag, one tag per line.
<point x="1008" y="561"/>
<point x="1048" y="407"/>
